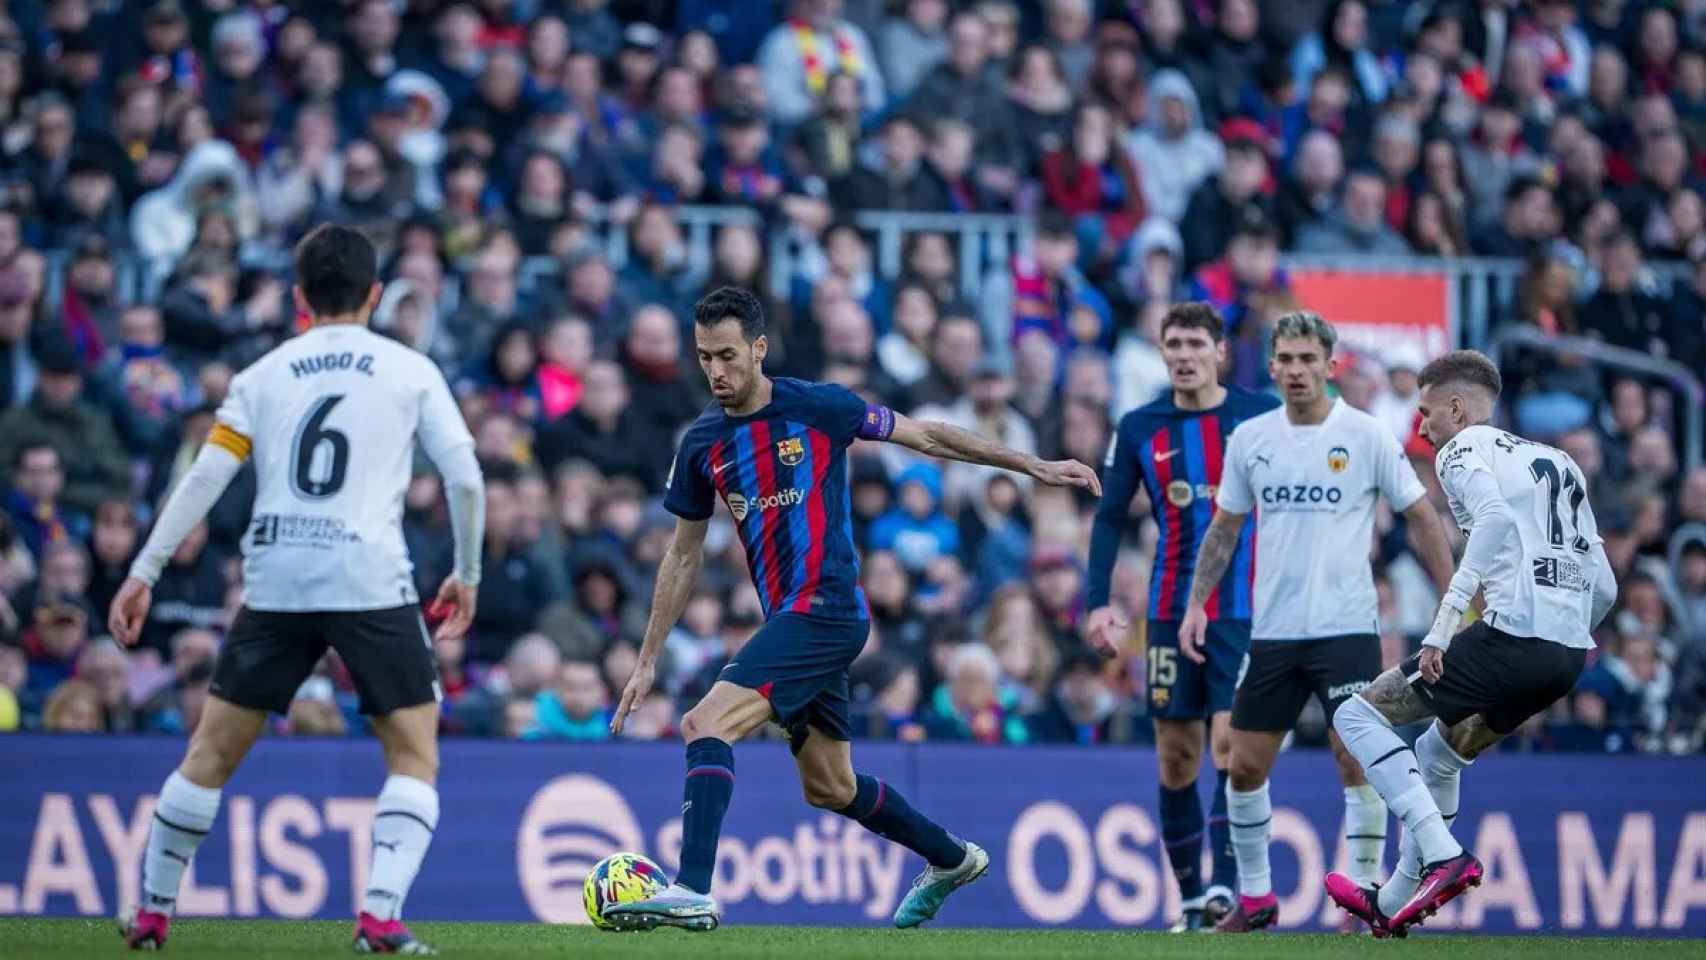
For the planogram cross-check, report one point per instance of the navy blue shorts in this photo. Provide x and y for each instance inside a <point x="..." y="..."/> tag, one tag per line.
<point x="799" y="663"/>
<point x="1180" y="689"/>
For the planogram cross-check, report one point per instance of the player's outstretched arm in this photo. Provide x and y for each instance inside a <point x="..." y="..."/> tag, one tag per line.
<point x="936" y="439"/>
<point x="677" y="573"/>
<point x="214" y="467"/>
<point x="1213" y="557"/>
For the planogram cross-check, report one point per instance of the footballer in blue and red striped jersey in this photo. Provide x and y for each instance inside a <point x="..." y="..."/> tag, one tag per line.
<point x="1173" y="449"/>
<point x="775" y="452"/>
<point x="783" y="473"/>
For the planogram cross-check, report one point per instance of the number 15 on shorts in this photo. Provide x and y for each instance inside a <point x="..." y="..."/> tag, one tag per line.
<point x="1163" y="673"/>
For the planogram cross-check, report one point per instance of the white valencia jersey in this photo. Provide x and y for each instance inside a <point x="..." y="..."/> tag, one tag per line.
<point x="1542" y="580"/>
<point x="331" y="417"/>
<point x="1313" y="489"/>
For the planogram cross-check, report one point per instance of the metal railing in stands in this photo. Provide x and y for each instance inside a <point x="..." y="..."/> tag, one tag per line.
<point x="1675" y="375"/>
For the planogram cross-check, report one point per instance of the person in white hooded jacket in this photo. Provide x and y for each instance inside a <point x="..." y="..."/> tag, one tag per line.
<point x="1172" y="151"/>
<point x="163" y="222"/>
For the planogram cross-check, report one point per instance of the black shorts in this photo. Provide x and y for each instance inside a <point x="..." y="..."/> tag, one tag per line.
<point x="268" y="655"/>
<point x="798" y="662"/>
<point x="1181" y="689"/>
<point x="1284" y="674"/>
<point x="1504" y="678"/>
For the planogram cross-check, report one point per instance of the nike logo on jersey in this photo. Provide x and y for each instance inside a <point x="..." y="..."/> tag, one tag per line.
<point x="1162" y="456"/>
<point x="719" y="468"/>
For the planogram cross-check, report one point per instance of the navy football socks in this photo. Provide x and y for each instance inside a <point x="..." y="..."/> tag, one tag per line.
<point x="1220" y="838"/>
<point x="1181" y="832"/>
<point x="884" y="812"/>
<point x="705" y="798"/>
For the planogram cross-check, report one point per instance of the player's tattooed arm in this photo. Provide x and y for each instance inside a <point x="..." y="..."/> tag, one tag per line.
<point x="1215" y="554"/>
<point x="936" y="439"/>
<point x="1397" y="701"/>
<point x="677" y="573"/>
<point x="1427" y="538"/>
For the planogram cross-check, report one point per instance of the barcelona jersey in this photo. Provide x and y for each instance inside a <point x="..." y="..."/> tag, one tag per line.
<point x="782" y="471"/>
<point x="1176" y="456"/>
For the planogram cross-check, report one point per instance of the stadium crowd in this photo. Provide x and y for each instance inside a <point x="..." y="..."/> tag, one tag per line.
<point x="158" y="158"/>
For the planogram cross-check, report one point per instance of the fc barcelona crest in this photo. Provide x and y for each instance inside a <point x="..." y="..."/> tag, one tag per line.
<point x="790" y="450"/>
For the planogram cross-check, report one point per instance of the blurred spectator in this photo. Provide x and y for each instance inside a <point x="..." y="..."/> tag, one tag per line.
<point x="1052" y="296"/>
<point x="1342" y="41"/>
<point x="1041" y="102"/>
<point x="968" y="704"/>
<point x="1249" y="270"/>
<point x="911" y="43"/>
<point x="1308" y="194"/>
<point x="145" y="390"/>
<point x="964" y="87"/>
<point x="916" y="529"/>
<point x="103" y="664"/>
<point x="899" y="181"/>
<point x="58" y="414"/>
<point x="576" y="709"/>
<point x="1172" y="151"/>
<point x="515" y="588"/>
<point x="75" y="707"/>
<point x="799" y="55"/>
<point x="606" y="431"/>
<point x="1624" y="312"/>
<point x="113" y="544"/>
<point x="986" y="409"/>
<point x="33" y="503"/>
<point x="1215" y="206"/>
<point x="58" y="631"/>
<point x="1358" y="225"/>
<point x="1625" y="690"/>
<point x="189" y="593"/>
<point x="162" y="224"/>
<point x="1093" y="180"/>
<point x="1079" y="708"/>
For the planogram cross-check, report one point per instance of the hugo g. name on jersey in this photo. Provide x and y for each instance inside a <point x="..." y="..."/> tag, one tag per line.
<point x="331" y="418"/>
<point x="1542" y="580"/>
<point x="1313" y="490"/>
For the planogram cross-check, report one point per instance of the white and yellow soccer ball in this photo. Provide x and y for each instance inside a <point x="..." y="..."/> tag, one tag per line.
<point x="620" y="878"/>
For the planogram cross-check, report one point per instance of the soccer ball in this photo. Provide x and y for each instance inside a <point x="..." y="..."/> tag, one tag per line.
<point x="620" y="878"/>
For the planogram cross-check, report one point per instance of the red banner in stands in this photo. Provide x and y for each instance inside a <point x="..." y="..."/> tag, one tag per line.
<point x="1376" y="312"/>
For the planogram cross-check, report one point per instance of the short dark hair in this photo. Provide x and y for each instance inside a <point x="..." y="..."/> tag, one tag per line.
<point x="1463" y="366"/>
<point x="1197" y="316"/>
<point x="732" y="303"/>
<point x="336" y="267"/>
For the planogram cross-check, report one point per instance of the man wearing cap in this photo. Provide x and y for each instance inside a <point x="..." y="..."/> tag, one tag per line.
<point x="95" y="465"/>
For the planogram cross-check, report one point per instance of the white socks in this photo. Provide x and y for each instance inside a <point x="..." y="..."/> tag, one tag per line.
<point x="403" y="821"/>
<point x="1365" y="833"/>
<point x="1441" y="769"/>
<point x="182" y="817"/>
<point x="1393" y="770"/>
<point x="1250" y="816"/>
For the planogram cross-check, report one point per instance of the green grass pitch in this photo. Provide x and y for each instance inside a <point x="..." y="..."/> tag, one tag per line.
<point x="27" y="939"/>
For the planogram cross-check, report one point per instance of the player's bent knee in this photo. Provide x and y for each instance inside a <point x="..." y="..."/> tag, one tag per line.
<point x="832" y="793"/>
